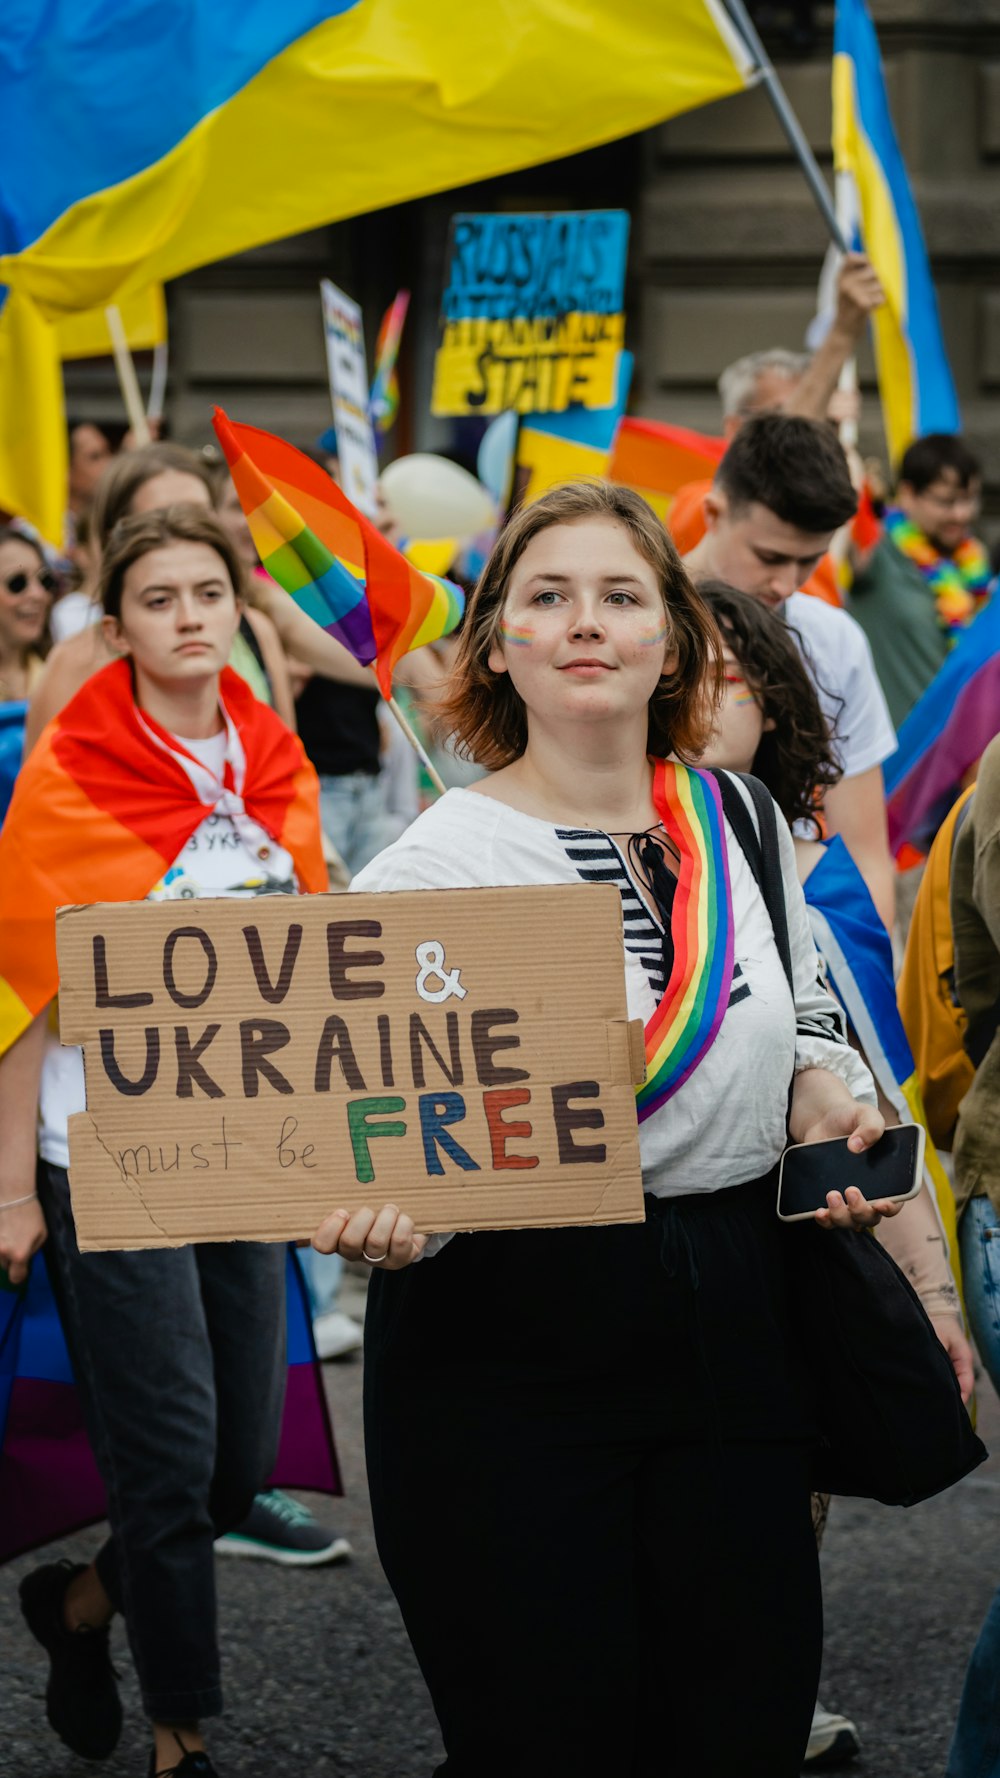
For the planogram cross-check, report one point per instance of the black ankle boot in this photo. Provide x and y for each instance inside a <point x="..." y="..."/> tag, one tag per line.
<point x="81" y="1698"/>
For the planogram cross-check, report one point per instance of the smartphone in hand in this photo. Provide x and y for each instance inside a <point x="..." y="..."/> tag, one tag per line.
<point x="892" y="1168"/>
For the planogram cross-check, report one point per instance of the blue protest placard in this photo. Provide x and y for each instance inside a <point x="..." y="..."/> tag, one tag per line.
<point x="532" y="316"/>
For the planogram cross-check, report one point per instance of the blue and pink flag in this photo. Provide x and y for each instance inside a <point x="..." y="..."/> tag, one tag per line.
<point x="945" y="733"/>
<point x="49" y="1483"/>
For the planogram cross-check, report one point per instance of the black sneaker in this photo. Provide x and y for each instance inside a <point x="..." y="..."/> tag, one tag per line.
<point x="81" y="1698"/>
<point x="192" y="1765"/>
<point x="278" y="1529"/>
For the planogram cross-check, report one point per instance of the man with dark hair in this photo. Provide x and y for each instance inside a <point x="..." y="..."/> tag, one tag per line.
<point x="794" y="467"/>
<point x="925" y="578"/>
<point x="780" y="493"/>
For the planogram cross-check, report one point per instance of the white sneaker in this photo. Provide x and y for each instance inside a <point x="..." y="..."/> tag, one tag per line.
<point x="833" y="1741"/>
<point x="336" y="1335"/>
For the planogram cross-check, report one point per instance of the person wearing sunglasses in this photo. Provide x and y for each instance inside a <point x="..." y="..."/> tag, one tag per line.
<point x="27" y="588"/>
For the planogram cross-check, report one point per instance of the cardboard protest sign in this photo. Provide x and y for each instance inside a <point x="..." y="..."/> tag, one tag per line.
<point x="532" y="315"/>
<point x="345" y="354"/>
<point x="253" y="1065"/>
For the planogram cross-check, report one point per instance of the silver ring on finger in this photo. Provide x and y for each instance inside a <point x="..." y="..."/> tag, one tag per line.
<point x="374" y="1259"/>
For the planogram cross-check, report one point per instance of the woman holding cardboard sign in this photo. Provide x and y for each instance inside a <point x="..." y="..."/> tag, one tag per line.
<point x="163" y="777"/>
<point x="555" y="1416"/>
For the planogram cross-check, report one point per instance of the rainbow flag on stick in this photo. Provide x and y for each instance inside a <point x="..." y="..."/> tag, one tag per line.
<point x="383" y="400"/>
<point x="337" y="567"/>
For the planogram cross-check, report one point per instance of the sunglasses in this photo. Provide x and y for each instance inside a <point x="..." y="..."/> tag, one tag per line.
<point x="19" y="583"/>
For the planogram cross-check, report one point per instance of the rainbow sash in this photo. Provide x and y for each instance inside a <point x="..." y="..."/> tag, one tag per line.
<point x="687" y="1020"/>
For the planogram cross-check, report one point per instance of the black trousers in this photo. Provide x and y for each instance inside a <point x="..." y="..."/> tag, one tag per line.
<point x="588" y="1455"/>
<point x="179" y="1357"/>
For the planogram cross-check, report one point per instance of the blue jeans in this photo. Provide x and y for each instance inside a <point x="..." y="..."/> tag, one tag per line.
<point x="975" y="1749"/>
<point x="979" y="1241"/>
<point x="354" y="816"/>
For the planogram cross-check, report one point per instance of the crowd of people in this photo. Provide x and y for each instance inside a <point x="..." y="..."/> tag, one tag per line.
<point x="650" y="1402"/>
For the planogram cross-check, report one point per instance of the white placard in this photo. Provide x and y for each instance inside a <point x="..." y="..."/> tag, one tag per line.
<point x="345" y="352"/>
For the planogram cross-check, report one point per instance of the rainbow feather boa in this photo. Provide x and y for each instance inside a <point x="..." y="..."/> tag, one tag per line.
<point x="959" y="582"/>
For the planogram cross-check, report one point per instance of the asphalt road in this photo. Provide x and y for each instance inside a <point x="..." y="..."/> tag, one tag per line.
<point x="320" y="1678"/>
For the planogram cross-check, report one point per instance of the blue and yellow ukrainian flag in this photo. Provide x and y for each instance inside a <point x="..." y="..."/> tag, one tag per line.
<point x="555" y="448"/>
<point x="141" y="140"/>
<point x="915" y="382"/>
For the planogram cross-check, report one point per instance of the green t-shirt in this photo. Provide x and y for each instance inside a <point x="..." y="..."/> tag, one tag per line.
<point x="898" y="612"/>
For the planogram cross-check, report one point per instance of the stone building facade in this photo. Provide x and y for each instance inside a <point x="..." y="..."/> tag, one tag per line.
<point x="726" y="249"/>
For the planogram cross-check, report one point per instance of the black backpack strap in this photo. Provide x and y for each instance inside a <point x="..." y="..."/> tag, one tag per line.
<point x="758" y="839"/>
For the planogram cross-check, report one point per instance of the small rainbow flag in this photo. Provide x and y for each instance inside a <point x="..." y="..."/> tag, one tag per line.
<point x="687" y="1020"/>
<point x="383" y="399"/>
<point x="337" y="567"/>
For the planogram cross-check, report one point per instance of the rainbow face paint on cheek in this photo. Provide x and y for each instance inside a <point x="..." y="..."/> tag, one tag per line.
<point x="654" y="638"/>
<point x="518" y="635"/>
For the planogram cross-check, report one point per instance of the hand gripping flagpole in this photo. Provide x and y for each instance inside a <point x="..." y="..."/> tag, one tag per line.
<point x="787" y="119"/>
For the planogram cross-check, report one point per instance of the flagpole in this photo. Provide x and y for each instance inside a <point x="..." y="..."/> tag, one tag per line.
<point x="787" y="119"/>
<point x="128" y="381"/>
<point x="158" y="382"/>
<point x="417" y="745"/>
<point x="849" y="375"/>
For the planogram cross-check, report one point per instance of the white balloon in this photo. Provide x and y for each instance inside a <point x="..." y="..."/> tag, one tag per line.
<point x="430" y="497"/>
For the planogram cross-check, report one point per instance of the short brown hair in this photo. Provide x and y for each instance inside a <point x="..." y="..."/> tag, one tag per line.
<point x="482" y="709"/>
<point x="793" y="466"/>
<point x="134" y="538"/>
<point x="130" y="471"/>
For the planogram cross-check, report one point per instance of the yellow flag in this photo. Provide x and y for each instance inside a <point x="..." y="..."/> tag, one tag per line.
<point x="380" y="102"/>
<point x="144" y="318"/>
<point x="33" y="448"/>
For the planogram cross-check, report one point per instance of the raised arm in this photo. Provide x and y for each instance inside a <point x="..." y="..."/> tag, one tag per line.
<point x="859" y="294"/>
<point x="304" y="641"/>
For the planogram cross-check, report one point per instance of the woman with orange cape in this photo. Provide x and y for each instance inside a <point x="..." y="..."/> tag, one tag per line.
<point x="162" y="776"/>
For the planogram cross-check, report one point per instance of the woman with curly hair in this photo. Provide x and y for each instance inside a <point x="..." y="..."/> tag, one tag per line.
<point x="554" y="1415"/>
